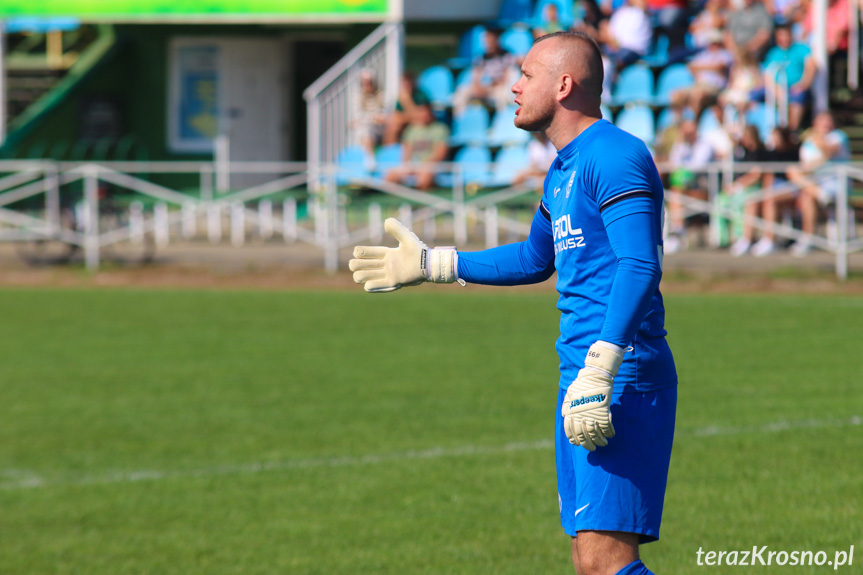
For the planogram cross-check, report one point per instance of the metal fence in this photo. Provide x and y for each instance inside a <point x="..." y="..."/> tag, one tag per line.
<point x="76" y="205"/>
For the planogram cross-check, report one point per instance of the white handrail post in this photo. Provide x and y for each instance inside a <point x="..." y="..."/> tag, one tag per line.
<point x="406" y="216"/>
<point x="189" y="220"/>
<point x="376" y="223"/>
<point x="214" y="222"/>
<point x="331" y="217"/>
<point x="394" y="59"/>
<point x="91" y="207"/>
<point x="714" y="220"/>
<point x="842" y="224"/>
<point x="818" y="43"/>
<point x="459" y="213"/>
<point x="289" y="220"/>
<point x="161" y="225"/>
<point x="136" y="223"/>
<point x="265" y="219"/>
<point x="52" y="201"/>
<point x="223" y="163"/>
<point x="238" y="224"/>
<point x="491" y="234"/>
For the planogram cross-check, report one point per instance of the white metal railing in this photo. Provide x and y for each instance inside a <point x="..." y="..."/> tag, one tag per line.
<point x="35" y="198"/>
<point x="330" y="98"/>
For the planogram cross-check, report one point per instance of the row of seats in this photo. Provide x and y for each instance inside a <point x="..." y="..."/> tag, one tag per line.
<point x="474" y="162"/>
<point x="635" y="84"/>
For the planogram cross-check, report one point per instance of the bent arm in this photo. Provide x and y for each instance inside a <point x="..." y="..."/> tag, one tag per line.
<point x="527" y="262"/>
<point x="639" y="269"/>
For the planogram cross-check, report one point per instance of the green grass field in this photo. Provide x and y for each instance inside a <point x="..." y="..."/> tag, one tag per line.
<point x="206" y="432"/>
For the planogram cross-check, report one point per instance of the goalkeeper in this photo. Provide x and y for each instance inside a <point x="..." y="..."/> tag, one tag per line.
<point x="599" y="226"/>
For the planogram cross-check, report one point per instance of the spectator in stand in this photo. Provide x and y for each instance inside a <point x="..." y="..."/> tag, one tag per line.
<point x="551" y="18"/>
<point x="668" y="136"/>
<point x="626" y="36"/>
<point x="671" y="19"/>
<point x="710" y="69"/>
<point x="749" y="29"/>
<point x="822" y="144"/>
<point x="739" y="196"/>
<point x="492" y="74"/>
<point x="744" y="79"/>
<point x="689" y="155"/>
<point x="780" y="148"/>
<point x="541" y="153"/>
<point x="707" y="21"/>
<point x="424" y="143"/>
<point x="368" y="113"/>
<point x="410" y="96"/>
<point x="800" y="68"/>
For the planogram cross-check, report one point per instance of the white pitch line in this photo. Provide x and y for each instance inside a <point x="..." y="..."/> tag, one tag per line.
<point x="21" y="479"/>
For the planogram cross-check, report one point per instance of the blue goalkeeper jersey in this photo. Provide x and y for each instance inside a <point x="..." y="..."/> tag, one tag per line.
<point x="599" y="226"/>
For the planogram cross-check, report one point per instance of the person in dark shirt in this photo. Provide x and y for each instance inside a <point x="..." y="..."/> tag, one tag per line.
<point x="781" y="148"/>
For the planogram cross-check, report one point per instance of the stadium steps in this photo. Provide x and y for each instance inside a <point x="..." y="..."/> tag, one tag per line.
<point x="36" y="91"/>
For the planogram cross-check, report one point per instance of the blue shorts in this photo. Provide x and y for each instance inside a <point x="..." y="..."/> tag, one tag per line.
<point x="619" y="487"/>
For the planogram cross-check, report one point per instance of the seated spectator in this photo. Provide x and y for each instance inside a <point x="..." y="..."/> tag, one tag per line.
<point x="671" y="19"/>
<point x="781" y="147"/>
<point x="800" y="68"/>
<point x="738" y="198"/>
<point x="492" y="74"/>
<point x="821" y="145"/>
<point x="710" y="68"/>
<point x="368" y="113"/>
<point x="541" y="153"/>
<point x="744" y="79"/>
<point x="749" y="29"/>
<point x="551" y="18"/>
<point x="689" y="155"/>
<point x="668" y="136"/>
<point x="410" y="96"/>
<point x="424" y="143"/>
<point x="707" y="21"/>
<point x="625" y="37"/>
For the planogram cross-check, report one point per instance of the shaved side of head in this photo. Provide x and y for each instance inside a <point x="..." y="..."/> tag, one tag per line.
<point x="578" y="55"/>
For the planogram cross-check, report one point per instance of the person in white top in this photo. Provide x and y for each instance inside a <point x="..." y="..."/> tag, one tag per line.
<point x="626" y="36"/>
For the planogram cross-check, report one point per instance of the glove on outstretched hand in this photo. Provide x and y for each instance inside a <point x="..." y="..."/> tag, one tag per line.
<point x="383" y="269"/>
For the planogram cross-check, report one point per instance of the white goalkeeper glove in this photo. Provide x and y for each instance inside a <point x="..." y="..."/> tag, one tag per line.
<point x="587" y="418"/>
<point x="383" y="269"/>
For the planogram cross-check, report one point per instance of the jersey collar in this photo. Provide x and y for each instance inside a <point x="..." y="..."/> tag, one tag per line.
<point x="569" y="150"/>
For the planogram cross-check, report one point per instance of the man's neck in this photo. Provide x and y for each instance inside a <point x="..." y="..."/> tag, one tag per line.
<point x="563" y="131"/>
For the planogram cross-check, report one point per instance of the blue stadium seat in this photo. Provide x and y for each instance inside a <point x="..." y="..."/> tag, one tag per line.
<point x="470" y="45"/>
<point x="606" y="112"/>
<point x="387" y="158"/>
<point x="517" y="40"/>
<point x="635" y="84"/>
<point x="638" y="121"/>
<point x="471" y="127"/>
<point x="673" y="78"/>
<point x="666" y="118"/>
<point x="514" y="11"/>
<point x="708" y="122"/>
<point x="658" y="55"/>
<point x="760" y="117"/>
<point x="507" y="165"/>
<point x="437" y="83"/>
<point x="474" y="163"/>
<point x="352" y="164"/>
<point x="503" y="130"/>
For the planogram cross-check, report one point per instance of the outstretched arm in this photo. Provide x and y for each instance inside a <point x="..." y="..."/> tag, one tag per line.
<point x="383" y="269"/>
<point x="527" y="262"/>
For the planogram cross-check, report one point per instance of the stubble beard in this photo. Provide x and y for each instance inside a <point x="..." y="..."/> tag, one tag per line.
<point x="536" y="122"/>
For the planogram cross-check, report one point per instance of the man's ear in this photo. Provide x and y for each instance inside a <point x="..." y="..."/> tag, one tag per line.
<point x="565" y="87"/>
